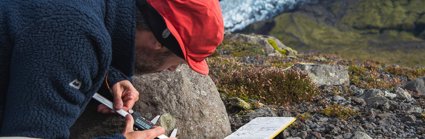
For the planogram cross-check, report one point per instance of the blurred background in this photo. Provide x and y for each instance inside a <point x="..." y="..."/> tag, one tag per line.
<point x="387" y="31"/>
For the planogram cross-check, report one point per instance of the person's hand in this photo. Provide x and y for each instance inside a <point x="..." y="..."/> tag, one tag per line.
<point x="129" y="133"/>
<point x="125" y="95"/>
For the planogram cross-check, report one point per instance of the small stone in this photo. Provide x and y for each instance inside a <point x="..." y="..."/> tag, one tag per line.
<point x="410" y="118"/>
<point x="359" y="101"/>
<point x="336" y="130"/>
<point x="368" y="126"/>
<point x="339" y="99"/>
<point x="285" y="134"/>
<point x="415" y="110"/>
<point x="420" y="130"/>
<point x="403" y="94"/>
<point x="357" y="91"/>
<point x="361" y="135"/>
<point x="316" y="134"/>
<point x="293" y="138"/>
<point x="417" y="86"/>
<point x="320" y="129"/>
<point x="389" y="95"/>
<point x="323" y="119"/>
<point x="378" y="102"/>
<point x="261" y="112"/>
<point x="303" y="134"/>
<point x="347" y="135"/>
<point x="338" y="137"/>
<point x="384" y="115"/>
<point x="373" y="93"/>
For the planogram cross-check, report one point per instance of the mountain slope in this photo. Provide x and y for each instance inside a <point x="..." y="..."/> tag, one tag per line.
<point x="391" y="31"/>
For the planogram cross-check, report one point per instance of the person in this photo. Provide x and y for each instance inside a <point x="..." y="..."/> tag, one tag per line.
<point x="54" y="55"/>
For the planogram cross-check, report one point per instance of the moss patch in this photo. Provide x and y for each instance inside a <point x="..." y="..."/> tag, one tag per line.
<point x="304" y="116"/>
<point x="339" y="111"/>
<point x="273" y="43"/>
<point x="423" y="116"/>
<point x="239" y="49"/>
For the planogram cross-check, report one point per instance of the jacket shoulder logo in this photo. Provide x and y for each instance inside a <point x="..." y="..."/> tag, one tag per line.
<point x="75" y="84"/>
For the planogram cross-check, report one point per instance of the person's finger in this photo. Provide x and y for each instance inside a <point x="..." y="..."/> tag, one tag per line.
<point x="104" y="109"/>
<point x="130" y="99"/>
<point x="155" y="132"/>
<point x="117" y="91"/>
<point x="129" y="124"/>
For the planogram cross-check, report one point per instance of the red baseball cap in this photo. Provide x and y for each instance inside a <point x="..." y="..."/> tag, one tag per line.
<point x="195" y="25"/>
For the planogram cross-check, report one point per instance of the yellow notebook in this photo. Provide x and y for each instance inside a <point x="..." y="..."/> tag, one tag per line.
<point x="262" y="128"/>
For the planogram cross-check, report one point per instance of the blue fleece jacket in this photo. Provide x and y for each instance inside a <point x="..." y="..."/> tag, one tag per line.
<point x="54" y="55"/>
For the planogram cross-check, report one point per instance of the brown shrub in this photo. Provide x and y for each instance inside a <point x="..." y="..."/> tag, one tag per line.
<point x="268" y="84"/>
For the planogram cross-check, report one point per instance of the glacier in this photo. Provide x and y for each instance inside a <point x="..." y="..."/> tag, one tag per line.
<point x="238" y="14"/>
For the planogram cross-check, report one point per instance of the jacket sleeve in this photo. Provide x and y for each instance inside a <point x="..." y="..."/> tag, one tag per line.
<point x="114" y="76"/>
<point x="56" y="66"/>
<point x="115" y="136"/>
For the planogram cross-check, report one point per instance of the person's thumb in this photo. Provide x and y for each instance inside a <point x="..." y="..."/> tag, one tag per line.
<point x="117" y="91"/>
<point x="129" y="124"/>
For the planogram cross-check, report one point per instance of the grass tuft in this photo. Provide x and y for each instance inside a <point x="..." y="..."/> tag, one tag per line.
<point x="341" y="112"/>
<point x="369" y="75"/>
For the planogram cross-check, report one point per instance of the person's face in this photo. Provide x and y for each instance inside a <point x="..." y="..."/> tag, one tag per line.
<point x="151" y="56"/>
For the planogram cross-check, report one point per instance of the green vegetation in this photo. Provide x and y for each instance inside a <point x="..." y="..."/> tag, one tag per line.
<point x="339" y="111"/>
<point x="298" y="30"/>
<point x="368" y="75"/>
<point x="304" y="116"/>
<point x="423" y="116"/>
<point x="384" y="14"/>
<point x="240" y="49"/>
<point x="404" y="71"/>
<point x="273" y="43"/>
<point x="381" y="30"/>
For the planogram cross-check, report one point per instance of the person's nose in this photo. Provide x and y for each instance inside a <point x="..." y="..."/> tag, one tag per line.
<point x="173" y="68"/>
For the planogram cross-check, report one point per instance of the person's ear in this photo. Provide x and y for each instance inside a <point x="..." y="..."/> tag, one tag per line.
<point x="158" y="45"/>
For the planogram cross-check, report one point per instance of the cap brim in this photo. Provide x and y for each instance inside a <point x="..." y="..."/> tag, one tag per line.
<point x="198" y="66"/>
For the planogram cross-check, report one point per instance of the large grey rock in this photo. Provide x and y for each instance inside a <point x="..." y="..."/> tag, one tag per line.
<point x="190" y="100"/>
<point x="403" y="94"/>
<point x="417" y="86"/>
<point x="376" y="98"/>
<point x="322" y="74"/>
<point x="373" y="93"/>
<point x="271" y="45"/>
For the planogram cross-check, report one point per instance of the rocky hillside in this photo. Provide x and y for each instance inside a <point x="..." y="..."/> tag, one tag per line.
<point x="330" y="96"/>
<point x="390" y="31"/>
<point x="256" y="75"/>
